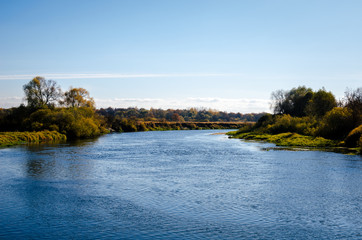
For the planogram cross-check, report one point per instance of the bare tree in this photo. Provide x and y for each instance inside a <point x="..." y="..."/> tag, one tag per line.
<point x="353" y="101"/>
<point x="278" y="99"/>
<point x="291" y="102"/>
<point x="41" y="93"/>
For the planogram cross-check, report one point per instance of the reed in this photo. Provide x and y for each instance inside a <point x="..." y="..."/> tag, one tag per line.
<point x="14" y="138"/>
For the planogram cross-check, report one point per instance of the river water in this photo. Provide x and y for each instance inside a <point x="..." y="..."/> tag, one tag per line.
<point x="177" y="185"/>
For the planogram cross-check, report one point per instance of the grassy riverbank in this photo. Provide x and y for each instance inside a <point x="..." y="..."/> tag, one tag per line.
<point x="15" y="138"/>
<point x="306" y="118"/>
<point x="287" y="139"/>
<point x="296" y="140"/>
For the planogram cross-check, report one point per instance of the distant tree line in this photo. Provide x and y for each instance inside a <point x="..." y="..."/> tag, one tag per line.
<point x="314" y="113"/>
<point x="123" y="116"/>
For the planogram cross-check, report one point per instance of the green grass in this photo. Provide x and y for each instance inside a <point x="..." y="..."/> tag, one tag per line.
<point x="15" y="138"/>
<point x="287" y="139"/>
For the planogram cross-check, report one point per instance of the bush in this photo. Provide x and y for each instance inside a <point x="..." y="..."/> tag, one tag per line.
<point x="354" y="137"/>
<point x="141" y="127"/>
<point x="286" y="123"/>
<point x="128" y="126"/>
<point x="336" y="124"/>
<point x="283" y="123"/>
<point x="74" y="122"/>
<point x="264" y="121"/>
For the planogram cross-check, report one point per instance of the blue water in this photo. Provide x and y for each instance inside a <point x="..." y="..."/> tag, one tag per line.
<point x="177" y="185"/>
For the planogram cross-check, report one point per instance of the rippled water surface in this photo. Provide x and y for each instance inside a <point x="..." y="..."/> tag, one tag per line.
<point x="177" y="185"/>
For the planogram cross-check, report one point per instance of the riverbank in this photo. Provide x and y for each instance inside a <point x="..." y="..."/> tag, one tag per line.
<point x="141" y="126"/>
<point x="295" y="140"/>
<point x="159" y="126"/>
<point x="16" y="138"/>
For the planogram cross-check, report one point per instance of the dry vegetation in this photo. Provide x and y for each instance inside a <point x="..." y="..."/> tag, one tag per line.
<point x="13" y="138"/>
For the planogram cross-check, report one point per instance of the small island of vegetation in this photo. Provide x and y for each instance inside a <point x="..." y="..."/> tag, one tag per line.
<point x="306" y="118"/>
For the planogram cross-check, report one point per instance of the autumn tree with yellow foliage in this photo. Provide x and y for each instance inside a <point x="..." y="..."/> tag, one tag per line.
<point x="78" y="97"/>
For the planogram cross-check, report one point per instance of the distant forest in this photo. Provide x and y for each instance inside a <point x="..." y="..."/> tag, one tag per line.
<point x="171" y="115"/>
<point x="134" y="119"/>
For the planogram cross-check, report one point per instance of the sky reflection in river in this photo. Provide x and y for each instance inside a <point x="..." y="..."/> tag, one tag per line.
<point x="175" y="185"/>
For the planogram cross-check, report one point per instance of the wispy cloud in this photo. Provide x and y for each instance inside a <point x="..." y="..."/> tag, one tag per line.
<point x="110" y="75"/>
<point x="7" y="102"/>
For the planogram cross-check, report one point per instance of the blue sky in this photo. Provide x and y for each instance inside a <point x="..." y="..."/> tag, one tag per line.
<point x="228" y="55"/>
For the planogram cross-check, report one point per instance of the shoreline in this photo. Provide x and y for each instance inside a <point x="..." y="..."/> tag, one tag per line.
<point x="8" y="139"/>
<point x="141" y="126"/>
<point x="294" y="141"/>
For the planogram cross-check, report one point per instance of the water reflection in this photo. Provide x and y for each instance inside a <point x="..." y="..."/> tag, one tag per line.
<point x="35" y="168"/>
<point x="59" y="161"/>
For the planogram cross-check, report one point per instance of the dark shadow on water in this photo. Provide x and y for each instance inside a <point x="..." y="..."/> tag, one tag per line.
<point x="70" y="143"/>
<point x="347" y="151"/>
<point x="58" y="160"/>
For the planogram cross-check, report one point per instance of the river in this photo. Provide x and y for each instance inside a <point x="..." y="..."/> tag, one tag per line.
<point x="177" y="185"/>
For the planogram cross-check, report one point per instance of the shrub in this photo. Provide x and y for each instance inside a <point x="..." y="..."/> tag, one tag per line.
<point x="141" y="127"/>
<point x="74" y="122"/>
<point x="264" y="121"/>
<point x="283" y="123"/>
<point x="286" y="123"/>
<point x="336" y="124"/>
<point x="128" y="126"/>
<point x="354" y="137"/>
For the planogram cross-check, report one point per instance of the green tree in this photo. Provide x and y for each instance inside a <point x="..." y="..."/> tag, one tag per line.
<point x="41" y="93"/>
<point x="353" y="138"/>
<point x="321" y="102"/>
<point x="336" y="124"/>
<point x="292" y="102"/>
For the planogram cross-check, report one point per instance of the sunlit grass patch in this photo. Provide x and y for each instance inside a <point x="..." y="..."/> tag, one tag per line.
<point x="13" y="138"/>
<point x="287" y="139"/>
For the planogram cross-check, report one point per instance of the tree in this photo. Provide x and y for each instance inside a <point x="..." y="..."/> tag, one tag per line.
<point x="177" y="118"/>
<point x="291" y="102"/>
<point x="78" y="97"/>
<point x="40" y="93"/>
<point x="73" y="122"/>
<point x="336" y="124"/>
<point x="353" y="101"/>
<point x="321" y="102"/>
<point x="278" y="98"/>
